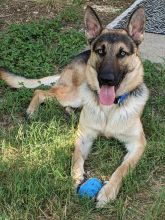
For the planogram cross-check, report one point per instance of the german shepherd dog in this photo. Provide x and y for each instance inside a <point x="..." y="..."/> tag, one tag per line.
<point x="107" y="82"/>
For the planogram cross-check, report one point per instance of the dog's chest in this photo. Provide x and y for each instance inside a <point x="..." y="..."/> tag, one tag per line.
<point x="116" y="119"/>
<point x="109" y="121"/>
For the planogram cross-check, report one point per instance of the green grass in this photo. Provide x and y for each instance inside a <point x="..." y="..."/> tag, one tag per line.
<point x="35" y="181"/>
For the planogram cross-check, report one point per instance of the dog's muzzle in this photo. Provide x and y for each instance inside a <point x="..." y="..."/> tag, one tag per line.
<point x="106" y="80"/>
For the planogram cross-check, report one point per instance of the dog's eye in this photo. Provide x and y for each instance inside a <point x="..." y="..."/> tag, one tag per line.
<point x="122" y="54"/>
<point x="100" y="52"/>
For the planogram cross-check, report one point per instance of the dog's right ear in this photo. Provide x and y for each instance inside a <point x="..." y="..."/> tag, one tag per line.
<point x="93" y="25"/>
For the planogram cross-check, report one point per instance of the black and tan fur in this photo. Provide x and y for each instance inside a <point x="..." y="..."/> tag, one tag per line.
<point x="113" y="60"/>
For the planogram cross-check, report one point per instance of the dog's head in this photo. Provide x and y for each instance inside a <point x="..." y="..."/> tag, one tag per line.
<point x="114" y="56"/>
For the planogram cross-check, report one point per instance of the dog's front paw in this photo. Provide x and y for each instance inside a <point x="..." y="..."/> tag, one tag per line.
<point x="78" y="177"/>
<point x="107" y="193"/>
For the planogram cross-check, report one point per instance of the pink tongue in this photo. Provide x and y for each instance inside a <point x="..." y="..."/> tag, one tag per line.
<point x="107" y="95"/>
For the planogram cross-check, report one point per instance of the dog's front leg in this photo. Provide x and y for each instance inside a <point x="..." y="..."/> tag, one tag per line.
<point x="135" y="149"/>
<point x="84" y="141"/>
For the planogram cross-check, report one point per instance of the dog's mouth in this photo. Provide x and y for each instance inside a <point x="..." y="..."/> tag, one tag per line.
<point x="108" y="90"/>
<point x="107" y="95"/>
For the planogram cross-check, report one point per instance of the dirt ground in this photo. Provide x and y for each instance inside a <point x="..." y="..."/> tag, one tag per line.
<point x="21" y="11"/>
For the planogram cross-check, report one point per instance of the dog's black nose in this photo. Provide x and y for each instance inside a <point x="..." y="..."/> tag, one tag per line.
<point x="107" y="79"/>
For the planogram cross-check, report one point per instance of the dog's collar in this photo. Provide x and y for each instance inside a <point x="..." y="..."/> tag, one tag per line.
<point x="136" y="92"/>
<point x="120" y="99"/>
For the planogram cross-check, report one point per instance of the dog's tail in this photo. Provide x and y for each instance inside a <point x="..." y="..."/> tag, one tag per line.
<point x="15" y="81"/>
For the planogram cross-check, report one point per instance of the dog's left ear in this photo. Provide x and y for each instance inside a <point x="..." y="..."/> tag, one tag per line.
<point x="92" y="22"/>
<point x="136" y="25"/>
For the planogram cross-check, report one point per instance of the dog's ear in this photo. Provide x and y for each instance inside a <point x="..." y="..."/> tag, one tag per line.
<point x="136" y="25"/>
<point x="92" y="22"/>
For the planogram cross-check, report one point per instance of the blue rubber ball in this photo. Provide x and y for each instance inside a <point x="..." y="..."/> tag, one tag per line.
<point x="90" y="188"/>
